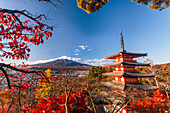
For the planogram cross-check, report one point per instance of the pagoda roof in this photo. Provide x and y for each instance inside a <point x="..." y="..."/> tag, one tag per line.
<point x="122" y="86"/>
<point x="126" y="53"/>
<point x="128" y="74"/>
<point x="115" y="85"/>
<point x="127" y="63"/>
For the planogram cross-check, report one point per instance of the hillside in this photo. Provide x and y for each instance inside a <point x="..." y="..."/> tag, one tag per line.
<point x="162" y="69"/>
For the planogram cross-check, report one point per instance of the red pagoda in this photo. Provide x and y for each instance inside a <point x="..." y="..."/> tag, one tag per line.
<point x="124" y="74"/>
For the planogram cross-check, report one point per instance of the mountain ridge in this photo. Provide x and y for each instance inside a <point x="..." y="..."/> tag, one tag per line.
<point x="62" y="62"/>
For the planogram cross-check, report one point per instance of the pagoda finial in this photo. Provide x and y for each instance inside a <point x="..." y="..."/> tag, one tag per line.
<point x="122" y="42"/>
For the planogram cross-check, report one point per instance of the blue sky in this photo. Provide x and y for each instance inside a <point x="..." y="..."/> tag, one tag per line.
<point x="144" y="30"/>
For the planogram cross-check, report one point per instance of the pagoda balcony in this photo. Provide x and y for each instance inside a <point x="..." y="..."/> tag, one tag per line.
<point x="128" y="74"/>
<point x="115" y="85"/>
<point x="126" y="69"/>
<point x="123" y="86"/>
<point x="126" y="63"/>
<point x="124" y="59"/>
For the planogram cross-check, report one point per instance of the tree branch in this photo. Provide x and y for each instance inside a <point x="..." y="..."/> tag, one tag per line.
<point x="26" y="14"/>
<point x="55" y="4"/>
<point x="6" y="76"/>
<point x="16" y="69"/>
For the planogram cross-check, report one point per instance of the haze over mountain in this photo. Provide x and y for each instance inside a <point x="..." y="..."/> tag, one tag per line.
<point x="62" y="62"/>
<point x="94" y="62"/>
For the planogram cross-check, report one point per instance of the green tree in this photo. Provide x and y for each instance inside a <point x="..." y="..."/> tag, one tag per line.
<point x="96" y="71"/>
<point x="99" y="71"/>
<point x="92" y="73"/>
<point x="110" y="69"/>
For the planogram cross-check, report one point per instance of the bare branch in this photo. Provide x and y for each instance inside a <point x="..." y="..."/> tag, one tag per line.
<point x="12" y="100"/>
<point x="54" y="3"/>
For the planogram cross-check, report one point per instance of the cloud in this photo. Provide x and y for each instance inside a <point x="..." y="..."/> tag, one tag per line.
<point x="76" y="50"/>
<point x="83" y="46"/>
<point x="89" y="49"/>
<point x="95" y="62"/>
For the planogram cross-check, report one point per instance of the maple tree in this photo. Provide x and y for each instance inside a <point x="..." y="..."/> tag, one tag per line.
<point x="16" y="35"/>
<point x="50" y="104"/>
<point x="94" y="5"/>
<point x="18" y="30"/>
<point x="21" y="93"/>
<point x="61" y="95"/>
<point x="154" y="4"/>
<point x="91" y="5"/>
<point x="158" y="102"/>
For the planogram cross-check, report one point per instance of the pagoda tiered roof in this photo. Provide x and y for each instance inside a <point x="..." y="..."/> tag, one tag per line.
<point x="122" y="86"/>
<point x="115" y="85"/>
<point x="127" y="74"/>
<point x="127" y="63"/>
<point x="124" y="53"/>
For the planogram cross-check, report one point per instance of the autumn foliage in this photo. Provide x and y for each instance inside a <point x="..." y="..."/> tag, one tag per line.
<point x="57" y="104"/>
<point x="91" y="5"/>
<point x="157" y="103"/>
<point x="94" y="5"/>
<point x="16" y="35"/>
<point x="61" y="101"/>
<point x="37" y="98"/>
<point x="44" y="87"/>
<point x="154" y="4"/>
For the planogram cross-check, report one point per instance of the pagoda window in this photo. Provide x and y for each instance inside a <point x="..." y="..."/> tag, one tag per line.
<point x="118" y="59"/>
<point x="122" y="91"/>
<point x="116" y="69"/>
<point x="122" y="68"/>
<point x="122" y="79"/>
<point x="116" y="78"/>
<point x="121" y="59"/>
